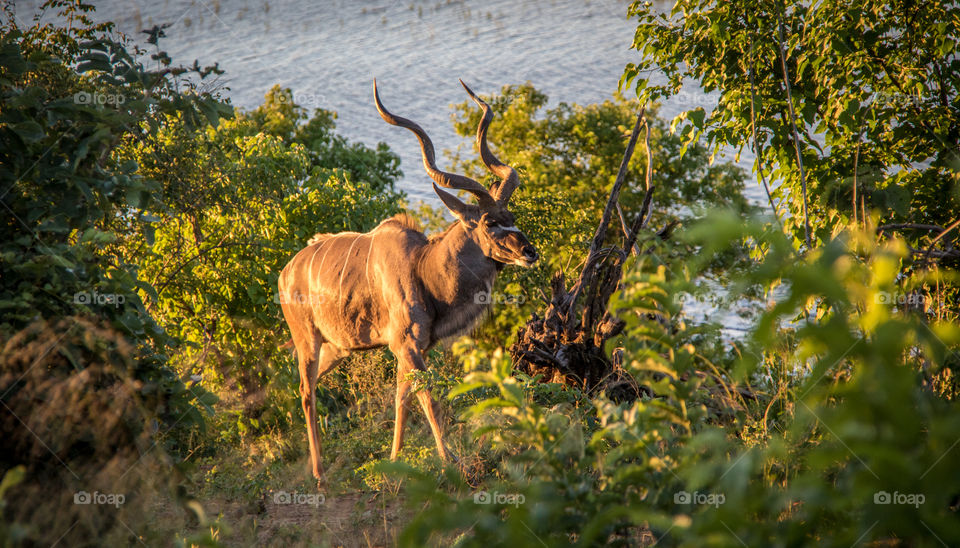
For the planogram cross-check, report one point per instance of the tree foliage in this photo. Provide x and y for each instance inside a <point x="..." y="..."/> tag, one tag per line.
<point x="69" y="96"/>
<point x="872" y="88"/>
<point x="574" y="151"/>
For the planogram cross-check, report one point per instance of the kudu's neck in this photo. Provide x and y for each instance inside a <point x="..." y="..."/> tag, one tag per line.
<point x="454" y="269"/>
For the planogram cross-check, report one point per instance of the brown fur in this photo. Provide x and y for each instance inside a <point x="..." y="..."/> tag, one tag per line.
<point x="405" y="221"/>
<point x="394" y="287"/>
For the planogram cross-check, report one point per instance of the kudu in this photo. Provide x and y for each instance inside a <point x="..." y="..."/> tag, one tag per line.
<point x="395" y="287"/>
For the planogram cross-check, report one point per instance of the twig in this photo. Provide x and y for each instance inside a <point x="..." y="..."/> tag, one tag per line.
<point x="941" y="235"/>
<point x="643" y="218"/>
<point x="914" y="226"/>
<point x="647" y="176"/>
<point x="793" y="124"/>
<point x="626" y="230"/>
<point x="601" y="232"/>
<point x="856" y="161"/>
<point x="756" y="141"/>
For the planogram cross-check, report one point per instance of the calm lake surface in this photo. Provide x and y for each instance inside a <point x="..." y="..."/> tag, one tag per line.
<point x="328" y="53"/>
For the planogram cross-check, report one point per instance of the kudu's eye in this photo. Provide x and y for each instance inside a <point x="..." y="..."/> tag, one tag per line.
<point x="491" y="223"/>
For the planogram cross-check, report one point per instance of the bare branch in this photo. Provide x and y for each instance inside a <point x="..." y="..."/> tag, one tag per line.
<point x="909" y="226"/>
<point x="793" y="124"/>
<point x="601" y="232"/>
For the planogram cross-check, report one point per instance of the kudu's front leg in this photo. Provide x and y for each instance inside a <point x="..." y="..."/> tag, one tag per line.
<point x="410" y="358"/>
<point x="403" y="393"/>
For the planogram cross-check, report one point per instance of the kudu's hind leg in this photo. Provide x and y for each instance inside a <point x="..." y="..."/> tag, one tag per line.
<point x="308" y="381"/>
<point x="311" y="370"/>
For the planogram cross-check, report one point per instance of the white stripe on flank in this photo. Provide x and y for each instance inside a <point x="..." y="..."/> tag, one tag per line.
<point x="366" y="268"/>
<point x="310" y="269"/>
<point x="312" y="279"/>
<point x="342" y="272"/>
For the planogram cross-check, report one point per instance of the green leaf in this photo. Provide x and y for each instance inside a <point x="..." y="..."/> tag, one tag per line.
<point x="11" y="59"/>
<point x="29" y="131"/>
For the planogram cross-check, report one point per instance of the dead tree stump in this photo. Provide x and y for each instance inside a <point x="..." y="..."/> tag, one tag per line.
<point x="566" y="344"/>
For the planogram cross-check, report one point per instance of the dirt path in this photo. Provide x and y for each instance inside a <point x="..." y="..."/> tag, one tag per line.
<point x="354" y="519"/>
<point x="351" y="519"/>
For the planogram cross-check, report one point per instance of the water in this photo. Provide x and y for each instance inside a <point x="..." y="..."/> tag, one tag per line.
<point x="328" y="53"/>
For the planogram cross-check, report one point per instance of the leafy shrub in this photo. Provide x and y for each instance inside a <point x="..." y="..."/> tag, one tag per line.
<point x="848" y="442"/>
<point x="843" y="112"/>
<point x="65" y="195"/>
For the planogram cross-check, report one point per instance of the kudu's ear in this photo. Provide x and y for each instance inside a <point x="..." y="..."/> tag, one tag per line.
<point x="457" y="207"/>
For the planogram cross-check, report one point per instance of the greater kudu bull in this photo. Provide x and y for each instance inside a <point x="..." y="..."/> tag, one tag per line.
<point x="395" y="287"/>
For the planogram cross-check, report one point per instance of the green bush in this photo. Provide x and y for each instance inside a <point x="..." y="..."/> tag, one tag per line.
<point x="715" y="457"/>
